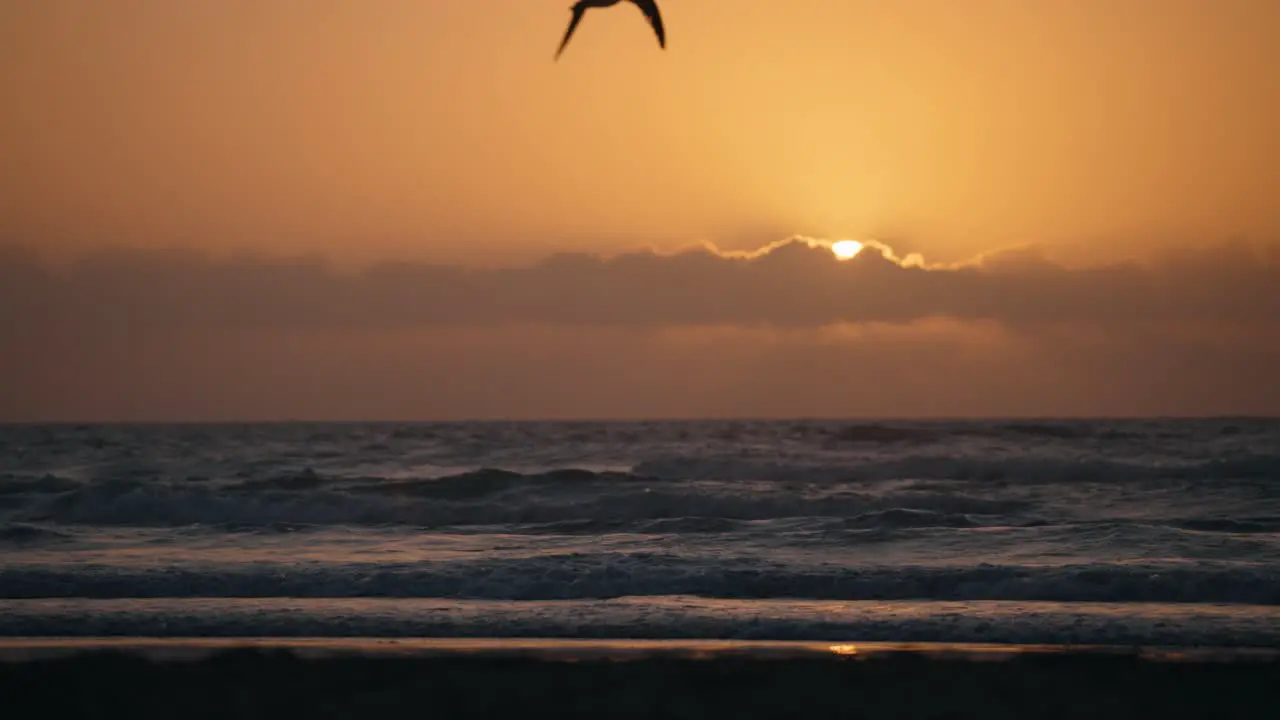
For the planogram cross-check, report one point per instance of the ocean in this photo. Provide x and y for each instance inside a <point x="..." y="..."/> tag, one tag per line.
<point x="1141" y="532"/>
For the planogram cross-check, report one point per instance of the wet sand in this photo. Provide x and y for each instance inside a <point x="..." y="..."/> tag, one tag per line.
<point x="332" y="678"/>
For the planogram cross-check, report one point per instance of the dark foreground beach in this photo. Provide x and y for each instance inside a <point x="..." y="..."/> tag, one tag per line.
<point x="332" y="679"/>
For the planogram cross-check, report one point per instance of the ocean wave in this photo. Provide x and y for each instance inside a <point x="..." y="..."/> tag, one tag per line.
<point x="489" y="498"/>
<point x="582" y="501"/>
<point x="659" y="526"/>
<point x="45" y="484"/>
<point x="909" y="518"/>
<point x="611" y="575"/>
<point x="973" y="468"/>
<point x="1241" y="526"/>
<point x="24" y="535"/>
<point x="487" y="482"/>
<point x="880" y="434"/>
<point x="994" y="466"/>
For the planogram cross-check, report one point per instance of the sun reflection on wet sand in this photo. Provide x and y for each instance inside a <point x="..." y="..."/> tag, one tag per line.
<point x="17" y="649"/>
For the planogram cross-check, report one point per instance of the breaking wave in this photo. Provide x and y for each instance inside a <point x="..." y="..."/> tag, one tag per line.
<point x="1022" y="470"/>
<point x="915" y="488"/>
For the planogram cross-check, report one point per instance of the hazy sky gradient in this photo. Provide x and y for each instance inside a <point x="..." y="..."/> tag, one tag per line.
<point x="434" y="126"/>
<point x="441" y="132"/>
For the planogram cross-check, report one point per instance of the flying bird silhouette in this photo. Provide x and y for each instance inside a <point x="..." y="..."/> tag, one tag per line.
<point x="648" y="7"/>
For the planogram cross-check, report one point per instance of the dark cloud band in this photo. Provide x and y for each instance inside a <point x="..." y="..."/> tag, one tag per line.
<point x="796" y="284"/>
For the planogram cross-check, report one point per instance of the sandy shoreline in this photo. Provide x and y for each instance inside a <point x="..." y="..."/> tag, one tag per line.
<point x="19" y="649"/>
<point x="259" y="678"/>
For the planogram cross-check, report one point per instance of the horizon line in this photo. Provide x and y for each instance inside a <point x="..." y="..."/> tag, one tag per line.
<point x="1208" y="417"/>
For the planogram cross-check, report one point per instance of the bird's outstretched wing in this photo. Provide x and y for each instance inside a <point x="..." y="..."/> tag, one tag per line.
<point x="650" y="10"/>
<point x="578" y="11"/>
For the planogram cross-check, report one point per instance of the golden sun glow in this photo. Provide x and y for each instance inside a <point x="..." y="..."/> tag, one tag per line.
<point x="846" y="249"/>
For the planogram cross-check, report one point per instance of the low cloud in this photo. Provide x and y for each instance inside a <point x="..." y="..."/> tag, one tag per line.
<point x="794" y="284"/>
<point x="784" y="331"/>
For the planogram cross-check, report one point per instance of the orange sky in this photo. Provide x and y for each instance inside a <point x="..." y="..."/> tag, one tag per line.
<point x="428" y="127"/>
<point x="442" y="131"/>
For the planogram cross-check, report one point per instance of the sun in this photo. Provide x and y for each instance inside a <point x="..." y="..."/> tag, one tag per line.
<point x="846" y="249"/>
